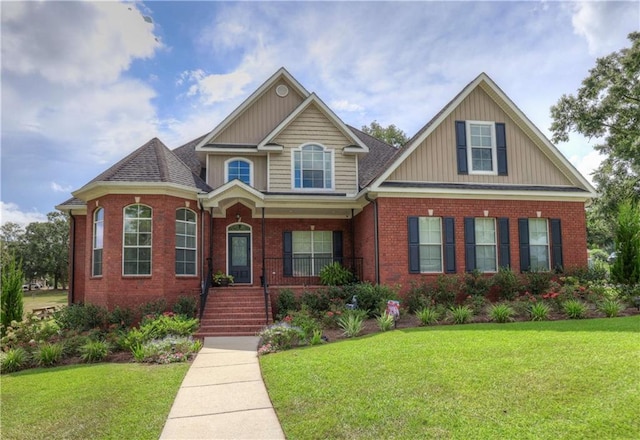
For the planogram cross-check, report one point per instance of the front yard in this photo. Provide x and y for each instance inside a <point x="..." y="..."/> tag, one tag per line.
<point x="537" y="380"/>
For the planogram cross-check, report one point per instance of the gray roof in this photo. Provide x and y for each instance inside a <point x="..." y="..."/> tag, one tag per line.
<point x="153" y="162"/>
<point x="187" y="154"/>
<point x="370" y="165"/>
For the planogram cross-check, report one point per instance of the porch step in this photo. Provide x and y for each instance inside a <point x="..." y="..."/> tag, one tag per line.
<point x="234" y="311"/>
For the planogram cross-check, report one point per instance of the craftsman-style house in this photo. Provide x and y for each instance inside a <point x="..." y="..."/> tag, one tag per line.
<point x="283" y="187"/>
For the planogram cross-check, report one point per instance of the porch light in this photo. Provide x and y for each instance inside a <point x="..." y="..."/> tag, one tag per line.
<point x="312" y="227"/>
<point x="238" y="218"/>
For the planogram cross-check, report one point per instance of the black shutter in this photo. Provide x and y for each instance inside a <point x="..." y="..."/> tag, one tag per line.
<point x="414" y="245"/>
<point x="337" y="247"/>
<point x="461" y="147"/>
<point x="449" y="245"/>
<point x="523" y="231"/>
<point x="501" y="148"/>
<point x="287" y="254"/>
<point x="556" y="244"/>
<point x="504" y="250"/>
<point x="470" y="244"/>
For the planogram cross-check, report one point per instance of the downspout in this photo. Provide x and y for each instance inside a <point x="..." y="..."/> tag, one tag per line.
<point x="353" y="244"/>
<point x="375" y="236"/>
<point x="72" y="259"/>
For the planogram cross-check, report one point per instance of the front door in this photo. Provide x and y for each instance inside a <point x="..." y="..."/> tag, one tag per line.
<point x="239" y="244"/>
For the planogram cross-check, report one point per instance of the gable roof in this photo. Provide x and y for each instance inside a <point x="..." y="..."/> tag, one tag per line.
<point x="359" y="147"/>
<point x="373" y="163"/>
<point x="492" y="89"/>
<point x="281" y="73"/>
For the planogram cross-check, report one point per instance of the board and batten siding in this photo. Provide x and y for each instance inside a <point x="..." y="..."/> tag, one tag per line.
<point x="261" y="117"/>
<point x="215" y="172"/>
<point x="312" y="126"/>
<point x="435" y="158"/>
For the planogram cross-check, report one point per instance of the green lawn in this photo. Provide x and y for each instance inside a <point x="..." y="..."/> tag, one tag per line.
<point x="531" y="380"/>
<point x="37" y="299"/>
<point x="102" y="401"/>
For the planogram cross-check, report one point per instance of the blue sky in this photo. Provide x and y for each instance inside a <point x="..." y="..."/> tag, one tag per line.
<point x="83" y="84"/>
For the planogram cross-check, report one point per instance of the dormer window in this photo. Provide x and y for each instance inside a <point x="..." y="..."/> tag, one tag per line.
<point x="312" y="167"/>
<point x="240" y="169"/>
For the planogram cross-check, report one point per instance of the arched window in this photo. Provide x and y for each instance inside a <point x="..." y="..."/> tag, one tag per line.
<point x="312" y="167"/>
<point x="186" y="242"/>
<point x="238" y="169"/>
<point x="98" y="240"/>
<point x="136" y="248"/>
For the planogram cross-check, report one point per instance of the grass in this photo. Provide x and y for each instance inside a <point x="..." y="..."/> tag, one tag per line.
<point x="526" y="380"/>
<point x="103" y="401"/>
<point x="37" y="299"/>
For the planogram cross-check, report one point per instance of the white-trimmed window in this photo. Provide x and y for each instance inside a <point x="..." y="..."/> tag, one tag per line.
<point x="430" y="239"/>
<point x="312" y="251"/>
<point x="312" y="167"/>
<point x="539" y="244"/>
<point x="186" y="239"/>
<point x="486" y="246"/>
<point x="241" y="169"/>
<point x="136" y="250"/>
<point x="481" y="141"/>
<point x="98" y="242"/>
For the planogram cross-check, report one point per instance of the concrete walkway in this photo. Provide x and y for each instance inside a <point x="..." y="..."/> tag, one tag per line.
<point x="223" y="395"/>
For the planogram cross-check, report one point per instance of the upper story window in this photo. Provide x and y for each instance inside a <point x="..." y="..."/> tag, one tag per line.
<point x="136" y="248"/>
<point x="240" y="169"/>
<point x="481" y="137"/>
<point x="98" y="241"/>
<point x="312" y="167"/>
<point x="185" y="242"/>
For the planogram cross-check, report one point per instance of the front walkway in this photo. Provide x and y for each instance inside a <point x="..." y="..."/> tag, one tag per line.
<point x="223" y="395"/>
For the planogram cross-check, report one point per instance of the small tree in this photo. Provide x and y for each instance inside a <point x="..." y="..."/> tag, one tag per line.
<point x="11" y="307"/>
<point x="626" y="268"/>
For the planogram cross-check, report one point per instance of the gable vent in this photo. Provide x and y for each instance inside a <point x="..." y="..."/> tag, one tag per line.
<point x="282" y="90"/>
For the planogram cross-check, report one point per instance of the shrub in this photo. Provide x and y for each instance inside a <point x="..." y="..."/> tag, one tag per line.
<point x="154" y="308"/>
<point x="373" y="298"/>
<point x="386" y="322"/>
<point x="316" y="338"/>
<point x="94" y="351"/>
<point x="159" y="327"/>
<point x="428" y="315"/>
<point x="317" y="302"/>
<point x="186" y="306"/>
<point x="280" y="336"/>
<point x="286" y="302"/>
<point x="476" y="284"/>
<point x="123" y="318"/>
<point x="14" y="360"/>
<point x="501" y="313"/>
<point x="48" y="354"/>
<point x="351" y="324"/>
<point x="610" y="307"/>
<point x="574" y="309"/>
<point x="335" y="274"/>
<point x="460" y="314"/>
<point x="166" y="350"/>
<point x="418" y="297"/>
<point x="537" y="282"/>
<point x="305" y="322"/>
<point x="507" y="282"/>
<point x="29" y="331"/>
<point x="626" y="267"/>
<point x="81" y="317"/>
<point x="539" y="311"/>
<point x="11" y="307"/>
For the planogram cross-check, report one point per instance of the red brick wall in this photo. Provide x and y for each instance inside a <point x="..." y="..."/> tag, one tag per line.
<point x="364" y="239"/>
<point x="112" y="288"/>
<point x="393" y="230"/>
<point x="77" y="267"/>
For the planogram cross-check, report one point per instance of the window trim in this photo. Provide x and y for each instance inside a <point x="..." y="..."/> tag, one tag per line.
<point x="124" y="246"/>
<point x="326" y="150"/>
<point x="494" y="244"/>
<point x="494" y="148"/>
<point x="441" y="244"/>
<point x="195" y="248"/>
<point x="312" y="253"/>
<point x="93" y="244"/>
<point x="241" y="159"/>
<point x="548" y="245"/>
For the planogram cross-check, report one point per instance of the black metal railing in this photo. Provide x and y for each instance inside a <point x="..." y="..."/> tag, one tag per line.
<point x="304" y="271"/>
<point x="206" y="285"/>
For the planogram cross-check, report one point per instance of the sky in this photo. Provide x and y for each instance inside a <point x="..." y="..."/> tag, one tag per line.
<point x="85" y="83"/>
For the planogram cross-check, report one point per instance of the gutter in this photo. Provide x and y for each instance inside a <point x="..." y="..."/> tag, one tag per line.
<point x="375" y="236"/>
<point x="72" y="260"/>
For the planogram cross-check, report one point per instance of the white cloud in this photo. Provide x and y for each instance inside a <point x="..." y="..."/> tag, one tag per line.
<point x="587" y="164"/>
<point x="10" y="212"/>
<point x="55" y="186"/>
<point x="215" y="88"/>
<point x="344" y="105"/>
<point x="605" y="24"/>
<point x="74" y="42"/>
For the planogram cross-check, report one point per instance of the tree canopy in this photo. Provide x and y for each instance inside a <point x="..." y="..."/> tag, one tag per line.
<point x="607" y="108"/>
<point x="392" y="135"/>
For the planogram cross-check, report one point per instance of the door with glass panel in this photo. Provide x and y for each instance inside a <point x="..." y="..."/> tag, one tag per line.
<point x="239" y="254"/>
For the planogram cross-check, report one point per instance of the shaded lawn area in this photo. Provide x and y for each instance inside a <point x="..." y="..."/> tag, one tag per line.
<point x="101" y="401"/>
<point x="526" y="380"/>
<point x="37" y="299"/>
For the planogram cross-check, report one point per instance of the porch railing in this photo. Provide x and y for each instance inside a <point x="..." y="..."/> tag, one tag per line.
<point x="305" y="271"/>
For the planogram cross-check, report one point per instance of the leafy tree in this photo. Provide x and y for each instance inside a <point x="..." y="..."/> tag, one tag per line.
<point x="392" y="135"/>
<point x="607" y="107"/>
<point x="626" y="268"/>
<point x="11" y="307"/>
<point x="11" y="241"/>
